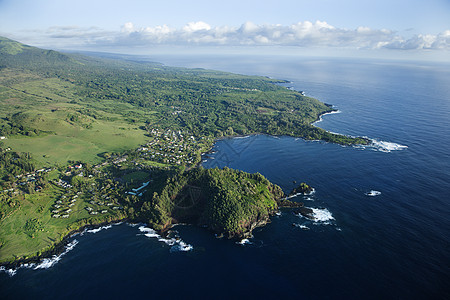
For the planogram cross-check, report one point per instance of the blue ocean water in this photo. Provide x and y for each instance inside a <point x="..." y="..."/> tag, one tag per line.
<point x="382" y="229"/>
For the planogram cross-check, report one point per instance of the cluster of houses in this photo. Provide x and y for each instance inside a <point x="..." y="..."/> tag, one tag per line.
<point x="34" y="174"/>
<point x="72" y="168"/>
<point x="24" y="179"/>
<point x="170" y="147"/>
<point x="102" y="205"/>
<point x="63" y="207"/>
<point x="63" y="184"/>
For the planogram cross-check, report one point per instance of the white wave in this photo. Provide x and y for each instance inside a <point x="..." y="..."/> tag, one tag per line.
<point x="181" y="246"/>
<point x="95" y="230"/>
<point x="244" y="242"/>
<point x="169" y="242"/>
<point x="148" y="232"/>
<point x="387" y="147"/>
<point x="145" y="229"/>
<point x="45" y="263"/>
<point x="176" y="243"/>
<point x="292" y="196"/>
<point x="50" y="262"/>
<point x="10" y="272"/>
<point x="308" y="199"/>
<point x="301" y="226"/>
<point x="360" y="147"/>
<point x="242" y="137"/>
<point x="328" y="113"/>
<point x="313" y="191"/>
<point x="373" y="193"/>
<point x="322" y="223"/>
<point x="321" y="215"/>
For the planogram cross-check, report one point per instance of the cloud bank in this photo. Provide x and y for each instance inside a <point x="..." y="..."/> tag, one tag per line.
<point x="303" y="34"/>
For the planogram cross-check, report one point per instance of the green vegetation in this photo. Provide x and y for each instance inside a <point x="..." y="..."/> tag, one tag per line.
<point x="87" y="141"/>
<point x="226" y="201"/>
<point x="303" y="188"/>
<point x="28" y="225"/>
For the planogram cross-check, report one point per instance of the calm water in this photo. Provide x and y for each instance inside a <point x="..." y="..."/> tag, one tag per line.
<point x="393" y="245"/>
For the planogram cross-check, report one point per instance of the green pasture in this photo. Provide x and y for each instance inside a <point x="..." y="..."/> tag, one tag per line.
<point x="19" y="239"/>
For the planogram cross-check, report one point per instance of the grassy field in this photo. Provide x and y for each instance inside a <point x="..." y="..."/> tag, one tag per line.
<point x="44" y="105"/>
<point x="137" y="176"/>
<point x="74" y="143"/>
<point x="28" y="228"/>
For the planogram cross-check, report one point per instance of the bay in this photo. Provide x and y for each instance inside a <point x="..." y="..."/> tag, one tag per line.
<point x="385" y="229"/>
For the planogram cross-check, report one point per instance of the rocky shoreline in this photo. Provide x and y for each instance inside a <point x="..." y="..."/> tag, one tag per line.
<point x="56" y="249"/>
<point x="257" y="221"/>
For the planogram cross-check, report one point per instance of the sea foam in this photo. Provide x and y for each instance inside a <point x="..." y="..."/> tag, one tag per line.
<point x="181" y="246"/>
<point x="95" y="230"/>
<point x="176" y="243"/>
<point x="373" y="193"/>
<point x="45" y="263"/>
<point x="301" y="226"/>
<point x="50" y="262"/>
<point x="328" y="113"/>
<point x="244" y="242"/>
<point x="387" y="147"/>
<point x="10" y="272"/>
<point x="321" y="215"/>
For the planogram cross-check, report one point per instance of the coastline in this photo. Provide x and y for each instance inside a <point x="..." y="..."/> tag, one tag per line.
<point x="60" y="246"/>
<point x="320" y="117"/>
<point x="57" y="248"/>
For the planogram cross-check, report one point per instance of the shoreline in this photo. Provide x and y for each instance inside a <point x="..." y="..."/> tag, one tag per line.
<point x="60" y="247"/>
<point x="320" y="119"/>
<point x="57" y="248"/>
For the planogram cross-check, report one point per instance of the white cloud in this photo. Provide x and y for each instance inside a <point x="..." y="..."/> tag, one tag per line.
<point x="128" y="27"/>
<point x="196" y="26"/>
<point x="301" y="34"/>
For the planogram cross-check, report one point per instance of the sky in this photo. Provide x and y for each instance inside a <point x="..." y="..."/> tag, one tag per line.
<point x="383" y="28"/>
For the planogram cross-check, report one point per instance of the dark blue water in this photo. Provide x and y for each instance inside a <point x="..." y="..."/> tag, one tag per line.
<point x="395" y="245"/>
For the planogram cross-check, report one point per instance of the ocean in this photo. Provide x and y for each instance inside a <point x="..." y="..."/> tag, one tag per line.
<point x="382" y="213"/>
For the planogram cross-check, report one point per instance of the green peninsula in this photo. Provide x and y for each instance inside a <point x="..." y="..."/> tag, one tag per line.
<point x="87" y="140"/>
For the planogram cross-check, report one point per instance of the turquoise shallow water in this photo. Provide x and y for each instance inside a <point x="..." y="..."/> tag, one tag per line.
<point x="392" y="245"/>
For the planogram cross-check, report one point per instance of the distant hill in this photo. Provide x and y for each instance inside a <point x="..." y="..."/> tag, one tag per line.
<point x="10" y="47"/>
<point x="15" y="54"/>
